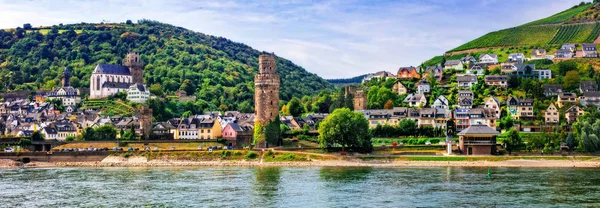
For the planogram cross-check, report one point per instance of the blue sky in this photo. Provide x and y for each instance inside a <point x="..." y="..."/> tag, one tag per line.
<point x="334" y="39"/>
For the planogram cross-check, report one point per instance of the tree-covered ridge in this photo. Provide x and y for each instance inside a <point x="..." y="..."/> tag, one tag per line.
<point x="218" y="71"/>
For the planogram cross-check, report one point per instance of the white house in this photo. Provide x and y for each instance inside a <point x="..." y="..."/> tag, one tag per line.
<point x="476" y="69"/>
<point x="493" y="104"/>
<point x="466" y="81"/>
<point x="440" y="102"/>
<point x="543" y="73"/>
<point x="138" y="93"/>
<point x="516" y="57"/>
<point x="416" y="100"/>
<point x="423" y="87"/>
<point x="488" y="59"/>
<point x="453" y="64"/>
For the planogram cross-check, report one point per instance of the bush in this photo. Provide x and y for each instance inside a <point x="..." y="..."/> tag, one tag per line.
<point x="269" y="153"/>
<point x="225" y="154"/>
<point x="251" y="155"/>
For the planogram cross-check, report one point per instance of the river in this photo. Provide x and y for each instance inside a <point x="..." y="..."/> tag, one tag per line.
<point x="299" y="187"/>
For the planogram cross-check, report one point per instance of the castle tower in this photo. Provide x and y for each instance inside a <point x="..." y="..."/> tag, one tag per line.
<point x="359" y="97"/>
<point x="66" y="77"/>
<point x="145" y="119"/>
<point x="266" y="96"/>
<point x="136" y="67"/>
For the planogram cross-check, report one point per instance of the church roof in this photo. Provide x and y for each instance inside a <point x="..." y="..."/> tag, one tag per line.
<point x="111" y="69"/>
<point x="119" y="85"/>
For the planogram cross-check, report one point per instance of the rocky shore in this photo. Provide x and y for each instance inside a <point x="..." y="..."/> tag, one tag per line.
<point x="115" y="161"/>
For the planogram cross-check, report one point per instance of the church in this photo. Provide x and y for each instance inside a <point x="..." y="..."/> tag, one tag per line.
<point x="67" y="94"/>
<point x="109" y="79"/>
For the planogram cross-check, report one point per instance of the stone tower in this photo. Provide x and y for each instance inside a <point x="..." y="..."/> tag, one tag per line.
<point x="266" y="95"/>
<point x="359" y="97"/>
<point x="136" y="67"/>
<point x="66" y="77"/>
<point x="145" y="119"/>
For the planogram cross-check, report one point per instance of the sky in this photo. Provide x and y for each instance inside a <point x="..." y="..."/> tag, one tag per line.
<point x="331" y="38"/>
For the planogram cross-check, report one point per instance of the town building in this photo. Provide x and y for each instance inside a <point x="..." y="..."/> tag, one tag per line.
<point x="453" y="64"/>
<point x="566" y="97"/>
<point x="551" y="115"/>
<point x="138" y="93"/>
<point x="477" y="69"/>
<point x="488" y="59"/>
<point x="408" y="73"/>
<point x="68" y="95"/>
<point x="478" y="140"/>
<point x="416" y="100"/>
<point x="589" y="50"/>
<point x="400" y="88"/>
<point x="516" y="57"/>
<point x="573" y="113"/>
<point x="526" y="109"/>
<point x="423" y="87"/>
<point x="552" y="89"/>
<point x="438" y="72"/>
<point x="440" y="102"/>
<point x="382" y="75"/>
<point x="496" y="80"/>
<point x="538" y="53"/>
<point x="468" y="60"/>
<point x="493" y="104"/>
<point x="466" y="81"/>
<point x="590" y="99"/>
<point x="465" y="99"/>
<point x="236" y="135"/>
<point x="512" y="104"/>
<point x="588" y="86"/>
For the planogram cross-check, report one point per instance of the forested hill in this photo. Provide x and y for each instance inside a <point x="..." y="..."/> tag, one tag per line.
<point x="218" y="71"/>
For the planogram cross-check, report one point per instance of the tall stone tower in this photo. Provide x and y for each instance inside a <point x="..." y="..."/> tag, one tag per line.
<point x="66" y="77"/>
<point x="359" y="97"/>
<point x="145" y="120"/>
<point x="136" y="67"/>
<point x="266" y="95"/>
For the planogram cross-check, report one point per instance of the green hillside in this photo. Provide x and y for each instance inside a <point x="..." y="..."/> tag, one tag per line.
<point x="578" y="24"/>
<point x="218" y="71"/>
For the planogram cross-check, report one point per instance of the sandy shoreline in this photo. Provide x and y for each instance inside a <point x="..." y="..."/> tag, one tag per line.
<point x="143" y="162"/>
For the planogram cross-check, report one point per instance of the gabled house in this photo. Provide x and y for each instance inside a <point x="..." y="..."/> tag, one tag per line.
<point x="516" y="57"/>
<point x="209" y="129"/>
<point x="508" y="68"/>
<point x="416" y="100"/>
<point x="465" y="99"/>
<point x="476" y="69"/>
<point x="408" y="73"/>
<point x="462" y="118"/>
<point x="563" y="54"/>
<point x="466" y="81"/>
<point x="400" y="88"/>
<point x="588" y="86"/>
<point x="437" y="71"/>
<point x="238" y="136"/>
<point x="589" y="50"/>
<point x="512" y="104"/>
<point x="496" y="80"/>
<point x="488" y="59"/>
<point x="478" y="140"/>
<point x="566" y="97"/>
<point x="440" y="102"/>
<point x="382" y="75"/>
<point x="442" y="116"/>
<point x="526" y="109"/>
<point x="493" y="104"/>
<point x="569" y="46"/>
<point x="551" y="115"/>
<point x="163" y="130"/>
<point x="590" y="99"/>
<point x="427" y="117"/>
<point x="453" y="64"/>
<point x="538" y="54"/>
<point x="423" y="87"/>
<point x="552" y="89"/>
<point x="468" y="60"/>
<point x="573" y="113"/>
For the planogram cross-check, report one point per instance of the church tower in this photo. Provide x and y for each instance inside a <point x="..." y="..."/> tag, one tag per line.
<point x="266" y="95"/>
<point x="66" y="77"/>
<point x="136" y="67"/>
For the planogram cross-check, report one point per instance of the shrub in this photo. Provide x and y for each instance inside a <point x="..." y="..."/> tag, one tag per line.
<point x="251" y="155"/>
<point x="225" y="154"/>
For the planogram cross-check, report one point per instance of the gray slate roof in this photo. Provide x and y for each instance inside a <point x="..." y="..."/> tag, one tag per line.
<point x="111" y="69"/>
<point x="478" y="129"/>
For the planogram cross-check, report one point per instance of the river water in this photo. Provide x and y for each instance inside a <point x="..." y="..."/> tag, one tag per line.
<point x="299" y="187"/>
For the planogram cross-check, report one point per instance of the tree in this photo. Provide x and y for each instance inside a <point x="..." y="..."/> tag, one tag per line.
<point x="128" y="22"/>
<point x="105" y="133"/>
<point x="513" y="142"/>
<point x="27" y="26"/>
<point x="156" y="89"/>
<point x="590" y="71"/>
<point x="188" y="87"/>
<point x="37" y="136"/>
<point x="566" y="66"/>
<point x="571" y="143"/>
<point x="388" y="105"/>
<point x="571" y="80"/>
<point x="347" y="129"/>
<point x="294" y="107"/>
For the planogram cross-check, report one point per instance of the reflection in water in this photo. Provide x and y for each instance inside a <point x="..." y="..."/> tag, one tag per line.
<point x="266" y="185"/>
<point x="343" y="174"/>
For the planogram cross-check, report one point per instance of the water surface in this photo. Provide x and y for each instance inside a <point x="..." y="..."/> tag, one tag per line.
<point x="299" y="187"/>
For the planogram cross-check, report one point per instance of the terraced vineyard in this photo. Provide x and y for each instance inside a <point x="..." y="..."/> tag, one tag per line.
<point x="561" y="17"/>
<point x="109" y="107"/>
<point x="537" y="35"/>
<point x="580" y="33"/>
